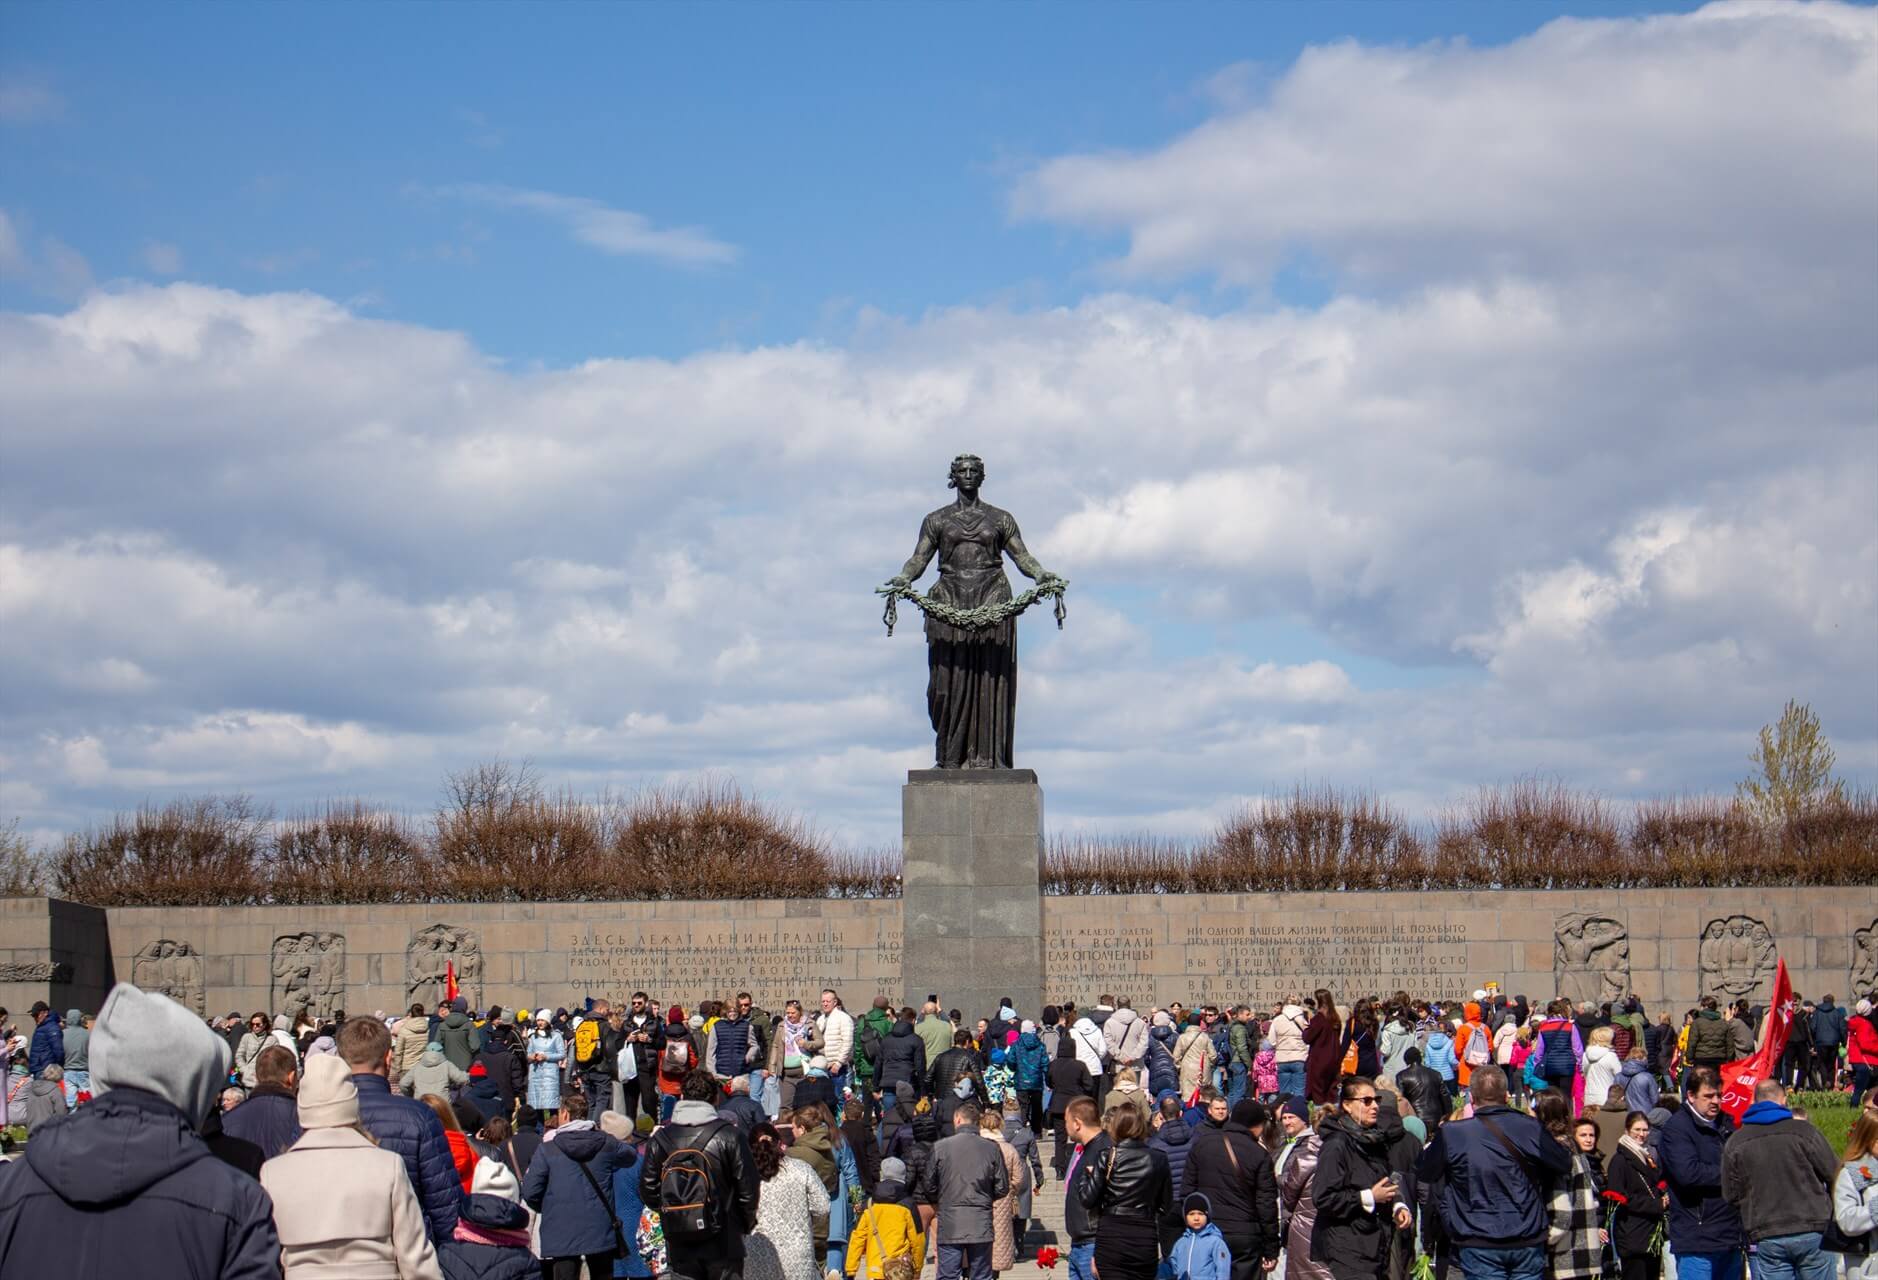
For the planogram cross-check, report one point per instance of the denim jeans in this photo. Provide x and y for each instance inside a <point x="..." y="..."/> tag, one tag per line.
<point x="973" y="1260"/>
<point x="1527" y="1263"/>
<point x="1291" y="1078"/>
<point x="1709" y="1266"/>
<point x="1235" y="1082"/>
<point x="1793" y="1258"/>
<point x="1082" y="1260"/>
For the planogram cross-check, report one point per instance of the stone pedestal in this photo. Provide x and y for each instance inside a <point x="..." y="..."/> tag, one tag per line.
<point x="972" y="889"/>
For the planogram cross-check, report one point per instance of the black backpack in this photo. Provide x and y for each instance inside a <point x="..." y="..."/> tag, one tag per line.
<point x="870" y="1043"/>
<point x="688" y="1201"/>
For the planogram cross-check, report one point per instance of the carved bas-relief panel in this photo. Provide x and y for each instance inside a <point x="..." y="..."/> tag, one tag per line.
<point x="1737" y="955"/>
<point x="1590" y="958"/>
<point x="309" y="973"/>
<point x="36" y="971"/>
<point x="1864" y="975"/>
<point x="426" y="963"/>
<point x="174" y="968"/>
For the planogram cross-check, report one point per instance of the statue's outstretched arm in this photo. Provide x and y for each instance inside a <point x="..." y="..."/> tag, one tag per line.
<point x="1021" y="557"/>
<point x="922" y="556"/>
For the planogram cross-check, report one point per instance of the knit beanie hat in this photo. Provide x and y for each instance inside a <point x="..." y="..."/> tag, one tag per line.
<point x="1297" y="1106"/>
<point x="144" y="1040"/>
<point x="893" y="1169"/>
<point x="1197" y="1200"/>
<point x="674" y="1014"/>
<point x="614" y="1124"/>
<point x="1248" y="1112"/>
<point x="492" y="1178"/>
<point x="328" y="1098"/>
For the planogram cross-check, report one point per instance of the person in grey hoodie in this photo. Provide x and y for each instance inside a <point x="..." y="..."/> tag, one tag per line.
<point x="434" y="1073"/>
<point x="77" y="1051"/>
<point x="43" y="1099"/>
<point x="128" y="1171"/>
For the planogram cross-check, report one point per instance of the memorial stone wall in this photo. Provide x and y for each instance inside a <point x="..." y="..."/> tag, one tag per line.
<point x="1667" y="946"/>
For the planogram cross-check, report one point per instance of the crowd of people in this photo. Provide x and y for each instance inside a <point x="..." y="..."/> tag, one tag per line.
<point x="1389" y="1139"/>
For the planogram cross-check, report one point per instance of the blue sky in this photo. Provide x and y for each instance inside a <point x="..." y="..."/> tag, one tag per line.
<point x="851" y="156"/>
<point x="1419" y="395"/>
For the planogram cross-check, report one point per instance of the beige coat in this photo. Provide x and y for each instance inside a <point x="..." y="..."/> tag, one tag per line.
<point x="407" y="1044"/>
<point x="1193" y="1058"/>
<point x="1004" y="1210"/>
<point x="344" y="1207"/>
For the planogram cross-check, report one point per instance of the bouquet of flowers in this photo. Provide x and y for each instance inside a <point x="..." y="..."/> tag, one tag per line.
<point x="1047" y="1257"/>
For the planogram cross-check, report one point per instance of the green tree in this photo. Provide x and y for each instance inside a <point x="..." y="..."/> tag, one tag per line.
<point x="1794" y="769"/>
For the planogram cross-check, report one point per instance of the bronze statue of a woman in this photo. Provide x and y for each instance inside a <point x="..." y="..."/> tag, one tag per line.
<point x="971" y="687"/>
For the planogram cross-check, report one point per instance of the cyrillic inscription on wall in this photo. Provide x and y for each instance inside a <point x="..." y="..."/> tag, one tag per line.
<point x="773" y="960"/>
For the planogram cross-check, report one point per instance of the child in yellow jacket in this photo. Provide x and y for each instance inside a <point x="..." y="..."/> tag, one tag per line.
<point x="887" y="1229"/>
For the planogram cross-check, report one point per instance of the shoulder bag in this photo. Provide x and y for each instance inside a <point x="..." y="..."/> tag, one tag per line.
<point x="606" y="1202"/>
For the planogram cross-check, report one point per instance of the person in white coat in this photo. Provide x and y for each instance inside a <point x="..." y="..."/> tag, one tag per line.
<point x="1855" y="1195"/>
<point x="836" y="1025"/>
<point x="343" y="1206"/>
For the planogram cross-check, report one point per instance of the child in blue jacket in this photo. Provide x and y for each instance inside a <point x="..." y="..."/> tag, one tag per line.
<point x="1201" y="1252"/>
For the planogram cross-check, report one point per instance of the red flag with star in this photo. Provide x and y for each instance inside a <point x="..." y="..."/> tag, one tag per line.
<point x="1740" y="1076"/>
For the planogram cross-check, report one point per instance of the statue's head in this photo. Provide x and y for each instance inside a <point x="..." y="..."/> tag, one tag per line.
<point x="968" y="472"/>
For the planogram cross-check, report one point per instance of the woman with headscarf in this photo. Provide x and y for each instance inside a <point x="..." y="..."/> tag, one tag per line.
<point x="545" y="1052"/>
<point x="1360" y="1200"/>
<point x="1637" y="1186"/>
<point x="343" y="1206"/>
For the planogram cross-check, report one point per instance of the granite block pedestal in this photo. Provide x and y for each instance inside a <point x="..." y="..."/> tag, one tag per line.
<point x="972" y="889"/>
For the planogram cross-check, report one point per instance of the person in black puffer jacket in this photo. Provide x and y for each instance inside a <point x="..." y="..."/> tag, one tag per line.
<point x="1233" y="1170"/>
<point x="127" y="1171"/>
<point x="902" y="1067"/>
<point x="912" y="1146"/>
<point x="1424" y="1089"/>
<point x="1069" y="1080"/>
<point x="1353" y="1173"/>
<point x="956" y="1064"/>
<point x="1128" y="1191"/>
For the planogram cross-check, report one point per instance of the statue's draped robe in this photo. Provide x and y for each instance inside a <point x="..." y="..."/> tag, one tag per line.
<point x="971" y="687"/>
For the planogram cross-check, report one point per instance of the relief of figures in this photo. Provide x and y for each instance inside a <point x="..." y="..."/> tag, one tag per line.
<point x="1737" y="955"/>
<point x="310" y="973"/>
<point x="1590" y="958"/>
<point x="1864" y="975"/>
<point x="426" y="964"/>
<point x="174" y="968"/>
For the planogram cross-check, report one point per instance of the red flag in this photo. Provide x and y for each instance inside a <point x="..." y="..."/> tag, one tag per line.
<point x="1740" y="1076"/>
<point x="450" y="987"/>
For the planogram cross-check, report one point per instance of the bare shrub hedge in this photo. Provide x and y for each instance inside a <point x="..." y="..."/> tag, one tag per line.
<point x="1528" y="835"/>
<point x="499" y="835"/>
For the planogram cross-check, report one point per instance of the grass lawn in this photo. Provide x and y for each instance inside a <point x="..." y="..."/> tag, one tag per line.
<point x="1831" y="1113"/>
